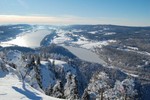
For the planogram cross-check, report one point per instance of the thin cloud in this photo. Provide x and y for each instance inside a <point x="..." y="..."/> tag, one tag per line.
<point x="45" y="19"/>
<point x="66" y="20"/>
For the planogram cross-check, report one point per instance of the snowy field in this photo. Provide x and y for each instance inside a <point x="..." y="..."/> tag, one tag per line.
<point x="11" y="88"/>
<point x="71" y="39"/>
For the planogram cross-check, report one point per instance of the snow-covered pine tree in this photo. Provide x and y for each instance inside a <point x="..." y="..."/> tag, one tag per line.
<point x="53" y="63"/>
<point x="38" y="75"/>
<point x="130" y="92"/>
<point x="115" y="93"/>
<point x="49" y="90"/>
<point x="98" y="84"/>
<point x="122" y="91"/>
<point x="58" y="90"/>
<point x="49" y="65"/>
<point x="32" y="60"/>
<point x="85" y="95"/>
<point x="38" y="61"/>
<point x="71" y="87"/>
<point x="67" y="85"/>
<point x="74" y="88"/>
<point x="2" y="65"/>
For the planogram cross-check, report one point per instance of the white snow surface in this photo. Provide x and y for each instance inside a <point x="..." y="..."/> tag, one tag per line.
<point x="14" y="57"/>
<point x="61" y="65"/>
<point x="93" y="32"/>
<point x="110" y="33"/>
<point x="47" y="76"/>
<point x="134" y="49"/>
<point x="11" y="88"/>
<point x="63" y="37"/>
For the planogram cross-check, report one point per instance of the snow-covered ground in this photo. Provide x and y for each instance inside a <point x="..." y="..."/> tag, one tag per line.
<point x="67" y="37"/>
<point x="134" y="49"/>
<point x="14" y="87"/>
<point x="47" y="76"/>
<point x="93" y="32"/>
<point x="11" y="88"/>
<point x="91" y="44"/>
<point x="61" y="65"/>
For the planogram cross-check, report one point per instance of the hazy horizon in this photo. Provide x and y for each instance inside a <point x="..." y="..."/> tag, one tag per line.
<point x="70" y="12"/>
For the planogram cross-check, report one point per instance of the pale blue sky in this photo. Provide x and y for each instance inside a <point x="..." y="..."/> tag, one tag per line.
<point x="123" y="12"/>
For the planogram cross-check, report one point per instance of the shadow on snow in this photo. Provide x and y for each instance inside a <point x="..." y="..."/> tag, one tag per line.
<point x="27" y="93"/>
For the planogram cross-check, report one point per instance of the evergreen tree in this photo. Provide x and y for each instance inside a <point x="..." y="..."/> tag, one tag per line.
<point x="49" y="90"/>
<point x="58" y="90"/>
<point x="2" y="65"/>
<point x="85" y="95"/>
<point x="38" y="75"/>
<point x="38" y="62"/>
<point x="115" y="93"/>
<point x="32" y="60"/>
<point x="67" y="85"/>
<point x="71" y="87"/>
<point x="130" y="92"/>
<point x="122" y="91"/>
<point x="74" y="88"/>
<point x="98" y="84"/>
<point x="50" y="65"/>
<point x="53" y="63"/>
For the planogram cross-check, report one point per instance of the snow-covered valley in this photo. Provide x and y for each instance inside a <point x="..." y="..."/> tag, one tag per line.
<point x="82" y="48"/>
<point x="73" y="62"/>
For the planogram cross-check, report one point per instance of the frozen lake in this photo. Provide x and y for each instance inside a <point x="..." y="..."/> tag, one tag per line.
<point x="31" y="39"/>
<point x="85" y="54"/>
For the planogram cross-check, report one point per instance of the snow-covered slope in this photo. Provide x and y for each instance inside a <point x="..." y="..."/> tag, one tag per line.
<point x="62" y="65"/>
<point x="20" y="81"/>
<point x="15" y="84"/>
<point x="11" y="88"/>
<point x="48" y="77"/>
